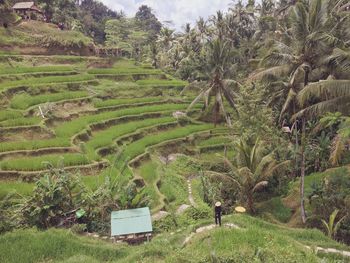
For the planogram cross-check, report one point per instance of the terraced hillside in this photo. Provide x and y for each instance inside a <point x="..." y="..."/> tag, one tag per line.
<point x="69" y="112"/>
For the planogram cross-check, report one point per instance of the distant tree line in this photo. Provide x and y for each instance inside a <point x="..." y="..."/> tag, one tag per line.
<point x="87" y="16"/>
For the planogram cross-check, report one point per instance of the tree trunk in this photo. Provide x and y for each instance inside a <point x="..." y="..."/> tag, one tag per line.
<point x="302" y="173"/>
<point x="302" y="165"/>
<point x="216" y="113"/>
<point x="250" y="203"/>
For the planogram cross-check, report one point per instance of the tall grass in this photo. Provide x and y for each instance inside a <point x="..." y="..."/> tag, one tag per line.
<point x="107" y="137"/>
<point x="34" y="144"/>
<point x="40" y="162"/>
<point x="46" y="69"/>
<point x="124" y="71"/>
<point x="65" y="131"/>
<point x="162" y="83"/>
<point x="9" y="114"/>
<point x="68" y="129"/>
<point x="45" y="80"/>
<point x="29" y="246"/>
<point x="214" y="141"/>
<point x="24" y="101"/>
<point x="7" y="187"/>
<point x="256" y="241"/>
<point x="121" y="101"/>
<point x="35" y="33"/>
<point x="174" y="187"/>
<point x="148" y="171"/>
<point x="138" y="147"/>
<point x="23" y="121"/>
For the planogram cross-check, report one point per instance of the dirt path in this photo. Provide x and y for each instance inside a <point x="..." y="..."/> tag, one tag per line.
<point x="206" y="229"/>
<point x="330" y="251"/>
<point x="190" y="196"/>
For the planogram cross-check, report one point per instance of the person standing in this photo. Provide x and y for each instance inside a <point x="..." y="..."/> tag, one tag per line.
<point x="218" y="213"/>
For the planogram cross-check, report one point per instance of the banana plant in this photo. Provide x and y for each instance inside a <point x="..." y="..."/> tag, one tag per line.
<point x="332" y="226"/>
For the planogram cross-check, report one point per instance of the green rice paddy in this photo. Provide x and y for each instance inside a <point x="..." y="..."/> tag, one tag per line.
<point x="136" y="114"/>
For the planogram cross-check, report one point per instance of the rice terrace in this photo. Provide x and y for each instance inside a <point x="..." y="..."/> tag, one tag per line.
<point x="129" y="138"/>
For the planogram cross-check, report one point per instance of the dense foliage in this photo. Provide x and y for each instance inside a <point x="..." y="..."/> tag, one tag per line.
<point x="87" y="16"/>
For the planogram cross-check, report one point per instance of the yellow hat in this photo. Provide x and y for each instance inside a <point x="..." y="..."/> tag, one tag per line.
<point x="240" y="209"/>
<point x="218" y="204"/>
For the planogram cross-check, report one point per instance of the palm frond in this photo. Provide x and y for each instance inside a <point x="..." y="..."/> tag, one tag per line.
<point x="318" y="14"/>
<point x="277" y="71"/>
<point x="229" y="96"/>
<point x="232" y="84"/>
<point x="277" y="59"/>
<point x="198" y="98"/>
<point x="341" y="59"/>
<point x="287" y="104"/>
<point x="338" y="148"/>
<point x="193" y="85"/>
<point x="254" y="155"/>
<point x="229" y="176"/>
<point x="260" y="186"/>
<point x="300" y="23"/>
<point x="324" y="90"/>
<point x="339" y="104"/>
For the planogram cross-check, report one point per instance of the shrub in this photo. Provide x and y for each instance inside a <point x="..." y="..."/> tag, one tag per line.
<point x="197" y="213"/>
<point x="332" y="193"/>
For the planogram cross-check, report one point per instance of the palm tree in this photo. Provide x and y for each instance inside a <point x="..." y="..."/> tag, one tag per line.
<point x="332" y="94"/>
<point x="202" y="28"/>
<point x="342" y="137"/>
<point x="302" y="51"/>
<point x="301" y="55"/>
<point x="166" y="38"/>
<point x="216" y="65"/>
<point x="251" y="169"/>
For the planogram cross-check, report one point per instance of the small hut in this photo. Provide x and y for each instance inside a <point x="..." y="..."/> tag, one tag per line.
<point x="28" y="10"/>
<point x="131" y="225"/>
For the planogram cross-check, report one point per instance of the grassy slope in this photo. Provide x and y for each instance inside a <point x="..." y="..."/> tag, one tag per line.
<point x="256" y="241"/>
<point x="292" y="200"/>
<point x="38" y="34"/>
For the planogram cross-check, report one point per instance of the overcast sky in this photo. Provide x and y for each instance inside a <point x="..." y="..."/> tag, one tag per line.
<point x="178" y="11"/>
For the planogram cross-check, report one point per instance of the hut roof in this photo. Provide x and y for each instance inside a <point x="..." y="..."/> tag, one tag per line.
<point x="26" y="5"/>
<point x="133" y="221"/>
<point x="23" y="5"/>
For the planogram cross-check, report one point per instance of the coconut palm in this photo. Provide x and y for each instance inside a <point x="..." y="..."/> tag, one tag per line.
<point x="300" y="55"/>
<point x="166" y="38"/>
<point x="302" y="52"/>
<point x="251" y="170"/>
<point x="216" y="65"/>
<point x="332" y="94"/>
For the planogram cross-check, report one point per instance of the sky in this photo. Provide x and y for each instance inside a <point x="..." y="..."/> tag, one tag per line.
<point x="179" y="12"/>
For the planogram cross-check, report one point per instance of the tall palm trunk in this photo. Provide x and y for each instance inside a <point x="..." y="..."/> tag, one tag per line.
<point x="216" y="113"/>
<point x="302" y="173"/>
<point x="303" y="161"/>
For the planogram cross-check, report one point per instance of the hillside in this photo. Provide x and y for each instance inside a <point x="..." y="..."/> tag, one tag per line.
<point x="254" y="241"/>
<point x="35" y="37"/>
<point x="243" y="115"/>
<point x="87" y="114"/>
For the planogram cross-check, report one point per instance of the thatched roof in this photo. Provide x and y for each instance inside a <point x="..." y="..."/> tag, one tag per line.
<point x="23" y="5"/>
<point x="26" y="6"/>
